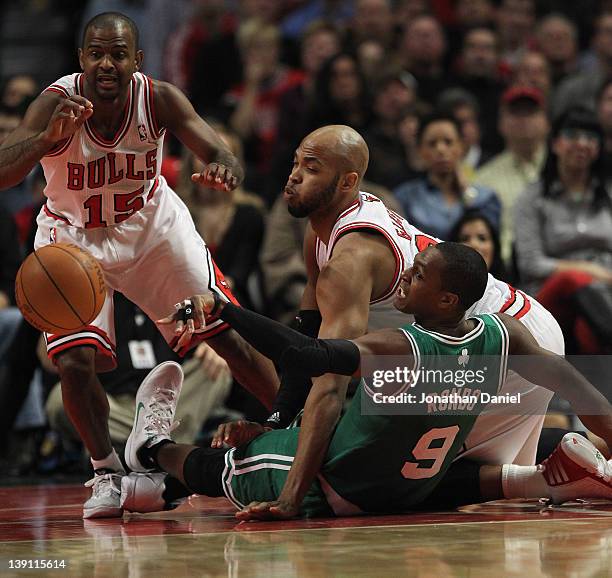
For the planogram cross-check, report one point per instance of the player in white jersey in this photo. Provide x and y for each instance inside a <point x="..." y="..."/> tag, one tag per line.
<point x="99" y="137"/>
<point x="495" y="438"/>
<point x="355" y="251"/>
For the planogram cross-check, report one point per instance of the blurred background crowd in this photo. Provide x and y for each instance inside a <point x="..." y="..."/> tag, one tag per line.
<point x="489" y="122"/>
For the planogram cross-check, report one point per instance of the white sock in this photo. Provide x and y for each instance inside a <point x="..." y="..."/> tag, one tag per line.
<point x="524" y="482"/>
<point x="110" y="462"/>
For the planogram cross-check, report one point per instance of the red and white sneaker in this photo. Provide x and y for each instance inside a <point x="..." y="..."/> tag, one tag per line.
<point x="576" y="469"/>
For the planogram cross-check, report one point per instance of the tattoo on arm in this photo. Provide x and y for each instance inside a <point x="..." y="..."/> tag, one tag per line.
<point x="19" y="159"/>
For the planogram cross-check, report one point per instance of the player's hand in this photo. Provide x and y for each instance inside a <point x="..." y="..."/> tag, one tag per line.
<point x="212" y="365"/>
<point x="68" y="116"/>
<point x="190" y="317"/>
<point x="276" y="510"/>
<point x="236" y="433"/>
<point x="216" y="176"/>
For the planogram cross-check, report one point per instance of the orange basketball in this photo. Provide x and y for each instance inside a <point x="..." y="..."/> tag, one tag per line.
<point x="60" y="288"/>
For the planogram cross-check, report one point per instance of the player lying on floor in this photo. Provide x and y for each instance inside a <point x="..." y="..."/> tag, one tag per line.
<point x="373" y="463"/>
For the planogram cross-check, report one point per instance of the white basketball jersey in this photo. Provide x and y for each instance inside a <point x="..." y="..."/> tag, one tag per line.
<point x="369" y="212"/>
<point x="94" y="182"/>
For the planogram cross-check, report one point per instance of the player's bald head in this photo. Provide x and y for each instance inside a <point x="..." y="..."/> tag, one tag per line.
<point x="343" y="145"/>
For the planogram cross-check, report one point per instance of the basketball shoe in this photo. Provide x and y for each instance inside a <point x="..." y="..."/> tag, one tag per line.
<point x="105" y="496"/>
<point x="156" y="401"/>
<point x="147" y="492"/>
<point x="576" y="469"/>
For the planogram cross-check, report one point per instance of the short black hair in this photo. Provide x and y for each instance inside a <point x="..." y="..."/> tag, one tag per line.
<point x="108" y="19"/>
<point x="578" y="117"/>
<point x="438" y="117"/>
<point x="464" y="273"/>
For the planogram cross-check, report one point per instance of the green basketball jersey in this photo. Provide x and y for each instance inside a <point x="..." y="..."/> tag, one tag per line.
<point x="389" y="463"/>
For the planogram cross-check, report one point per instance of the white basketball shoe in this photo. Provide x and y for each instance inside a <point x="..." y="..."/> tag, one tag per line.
<point x="156" y="401"/>
<point x="576" y="469"/>
<point x="105" y="496"/>
<point x="145" y="493"/>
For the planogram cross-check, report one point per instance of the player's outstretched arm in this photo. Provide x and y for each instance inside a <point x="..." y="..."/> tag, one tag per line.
<point x="297" y="355"/>
<point x="292" y="351"/>
<point x="555" y="373"/>
<point x="175" y="112"/>
<point x="50" y="119"/>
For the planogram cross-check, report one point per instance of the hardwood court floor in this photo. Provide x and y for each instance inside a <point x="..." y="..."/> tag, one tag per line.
<point x="201" y="538"/>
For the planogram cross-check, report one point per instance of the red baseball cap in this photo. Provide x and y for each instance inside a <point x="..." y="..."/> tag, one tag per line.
<point x="515" y="93"/>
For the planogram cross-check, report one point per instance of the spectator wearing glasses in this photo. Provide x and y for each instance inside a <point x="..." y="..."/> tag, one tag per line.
<point x="563" y="233"/>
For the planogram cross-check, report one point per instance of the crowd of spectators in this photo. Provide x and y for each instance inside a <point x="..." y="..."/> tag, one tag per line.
<point x="488" y="122"/>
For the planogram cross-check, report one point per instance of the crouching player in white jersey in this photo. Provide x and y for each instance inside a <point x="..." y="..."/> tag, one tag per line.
<point x="99" y="137"/>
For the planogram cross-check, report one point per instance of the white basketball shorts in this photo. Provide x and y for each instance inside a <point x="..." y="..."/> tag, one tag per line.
<point x="156" y="258"/>
<point x="500" y="438"/>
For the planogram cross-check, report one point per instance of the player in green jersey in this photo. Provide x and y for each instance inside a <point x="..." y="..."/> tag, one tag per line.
<point x="373" y="463"/>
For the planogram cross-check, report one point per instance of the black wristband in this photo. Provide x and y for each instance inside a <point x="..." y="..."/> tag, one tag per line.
<point x="186" y="312"/>
<point x="218" y="304"/>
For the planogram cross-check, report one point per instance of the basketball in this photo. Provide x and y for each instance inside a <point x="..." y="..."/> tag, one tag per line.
<point x="60" y="288"/>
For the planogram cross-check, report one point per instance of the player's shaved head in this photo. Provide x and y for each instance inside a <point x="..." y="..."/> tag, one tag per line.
<point x="344" y="144"/>
<point x="464" y="272"/>
<point x="111" y="20"/>
<point x="327" y="170"/>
